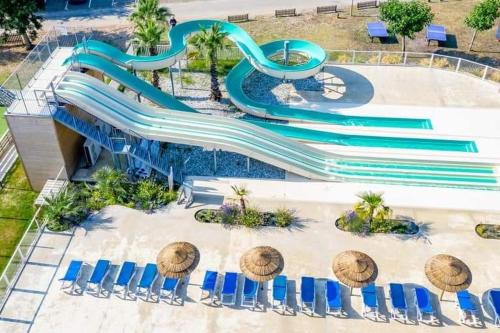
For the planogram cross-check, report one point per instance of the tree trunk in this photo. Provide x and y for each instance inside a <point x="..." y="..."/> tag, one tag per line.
<point x="472" y="40"/>
<point x="27" y="41"/>
<point x="215" y="94"/>
<point x="404" y="44"/>
<point x="243" y="205"/>
<point x="155" y="79"/>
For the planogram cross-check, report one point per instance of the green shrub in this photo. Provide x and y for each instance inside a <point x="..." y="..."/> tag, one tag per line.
<point x="187" y="79"/>
<point x="283" y="217"/>
<point x="351" y="221"/>
<point x="64" y="210"/>
<point x="251" y="218"/>
<point x="209" y="216"/>
<point x="150" y="194"/>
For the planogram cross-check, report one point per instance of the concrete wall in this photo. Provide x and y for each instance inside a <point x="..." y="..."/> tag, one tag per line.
<point x="44" y="147"/>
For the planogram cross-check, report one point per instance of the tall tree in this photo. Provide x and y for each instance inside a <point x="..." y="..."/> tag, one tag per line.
<point x="147" y="35"/>
<point x="482" y="17"/>
<point x="150" y="9"/>
<point x="19" y="16"/>
<point x="405" y="18"/>
<point x="209" y="42"/>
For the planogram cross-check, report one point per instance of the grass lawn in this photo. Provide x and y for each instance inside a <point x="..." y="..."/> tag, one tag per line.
<point x="16" y="211"/>
<point x="350" y="32"/>
<point x="3" y="123"/>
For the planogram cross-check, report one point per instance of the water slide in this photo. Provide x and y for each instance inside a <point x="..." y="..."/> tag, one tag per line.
<point x="245" y="138"/>
<point x="270" y="142"/>
<point x="164" y="100"/>
<point x="256" y="57"/>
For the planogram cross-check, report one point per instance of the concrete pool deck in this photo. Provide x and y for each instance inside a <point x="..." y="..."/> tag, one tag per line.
<point x="119" y="234"/>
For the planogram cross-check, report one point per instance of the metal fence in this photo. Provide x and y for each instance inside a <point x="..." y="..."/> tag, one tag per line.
<point x="417" y="59"/>
<point x="26" y="73"/>
<point x="22" y="252"/>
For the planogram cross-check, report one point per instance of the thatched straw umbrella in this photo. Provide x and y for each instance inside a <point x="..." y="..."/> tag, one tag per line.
<point x="448" y="273"/>
<point x="177" y="260"/>
<point x="262" y="263"/>
<point x="354" y="269"/>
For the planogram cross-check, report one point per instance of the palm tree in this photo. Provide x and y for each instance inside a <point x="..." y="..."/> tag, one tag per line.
<point x="208" y="42"/>
<point x="241" y="192"/>
<point x="111" y="185"/>
<point x="372" y="206"/>
<point x="62" y="208"/>
<point x="149" y="9"/>
<point x="147" y="36"/>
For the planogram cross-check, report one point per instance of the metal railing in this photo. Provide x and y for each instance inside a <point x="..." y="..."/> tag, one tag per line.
<point x="21" y="253"/>
<point x="416" y="59"/>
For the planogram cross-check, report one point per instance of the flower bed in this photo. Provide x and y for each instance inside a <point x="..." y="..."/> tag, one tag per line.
<point x="351" y="222"/>
<point x="252" y="218"/>
<point x="488" y="231"/>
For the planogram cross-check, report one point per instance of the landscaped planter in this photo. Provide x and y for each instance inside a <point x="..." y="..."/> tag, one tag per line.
<point x="401" y="227"/>
<point x="207" y="215"/>
<point x="488" y="231"/>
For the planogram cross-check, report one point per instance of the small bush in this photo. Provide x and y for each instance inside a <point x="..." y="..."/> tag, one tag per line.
<point x="187" y="79"/>
<point x="440" y="63"/>
<point x="230" y="213"/>
<point x="209" y="216"/>
<point x="251" y="218"/>
<point x="350" y="221"/>
<point x="283" y="217"/>
<point x="64" y="210"/>
<point x="494" y="76"/>
<point x="150" y="194"/>
<point x="391" y="59"/>
<point x="343" y="59"/>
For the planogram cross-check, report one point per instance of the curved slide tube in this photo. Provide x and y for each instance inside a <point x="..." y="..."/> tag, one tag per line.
<point x="241" y="137"/>
<point x="167" y="101"/>
<point x="255" y="57"/>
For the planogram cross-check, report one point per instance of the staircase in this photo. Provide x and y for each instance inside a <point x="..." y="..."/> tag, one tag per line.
<point x="158" y="162"/>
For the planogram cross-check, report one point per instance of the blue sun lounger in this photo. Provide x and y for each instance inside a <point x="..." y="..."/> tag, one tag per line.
<point x="494" y="300"/>
<point x="147" y="280"/>
<point x="208" y="285"/>
<point x="436" y="33"/>
<point x="249" y="293"/>
<point x="377" y="30"/>
<point x="333" y="297"/>
<point x="498" y="33"/>
<point x="127" y="272"/>
<point x="370" y="302"/>
<point x="466" y="306"/>
<point x="279" y="292"/>
<point x="399" y="307"/>
<point x="168" y="289"/>
<point x="229" y="287"/>
<point x="307" y="294"/>
<point x="99" y="274"/>
<point x="423" y="304"/>
<point x="72" y="275"/>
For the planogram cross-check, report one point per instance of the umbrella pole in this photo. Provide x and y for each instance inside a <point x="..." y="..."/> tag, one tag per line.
<point x="351" y="291"/>
<point x="442" y="293"/>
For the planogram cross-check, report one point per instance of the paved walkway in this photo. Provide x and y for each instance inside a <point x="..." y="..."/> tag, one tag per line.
<point x="32" y="285"/>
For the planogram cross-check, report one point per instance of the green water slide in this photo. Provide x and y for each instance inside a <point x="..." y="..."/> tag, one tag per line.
<point x="256" y="57"/>
<point x="164" y="100"/>
<point x="238" y="136"/>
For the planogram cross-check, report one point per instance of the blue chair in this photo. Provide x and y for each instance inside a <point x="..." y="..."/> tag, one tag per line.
<point x="72" y="274"/>
<point x="308" y="294"/>
<point x="466" y="306"/>
<point x="168" y="289"/>
<point x="249" y="293"/>
<point x="127" y="272"/>
<point x="208" y="285"/>
<point x="147" y="280"/>
<point x="333" y="297"/>
<point x="370" y="301"/>
<point x="99" y="274"/>
<point x="229" y="287"/>
<point x="494" y="300"/>
<point x="279" y="292"/>
<point x="423" y="304"/>
<point x="398" y="301"/>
